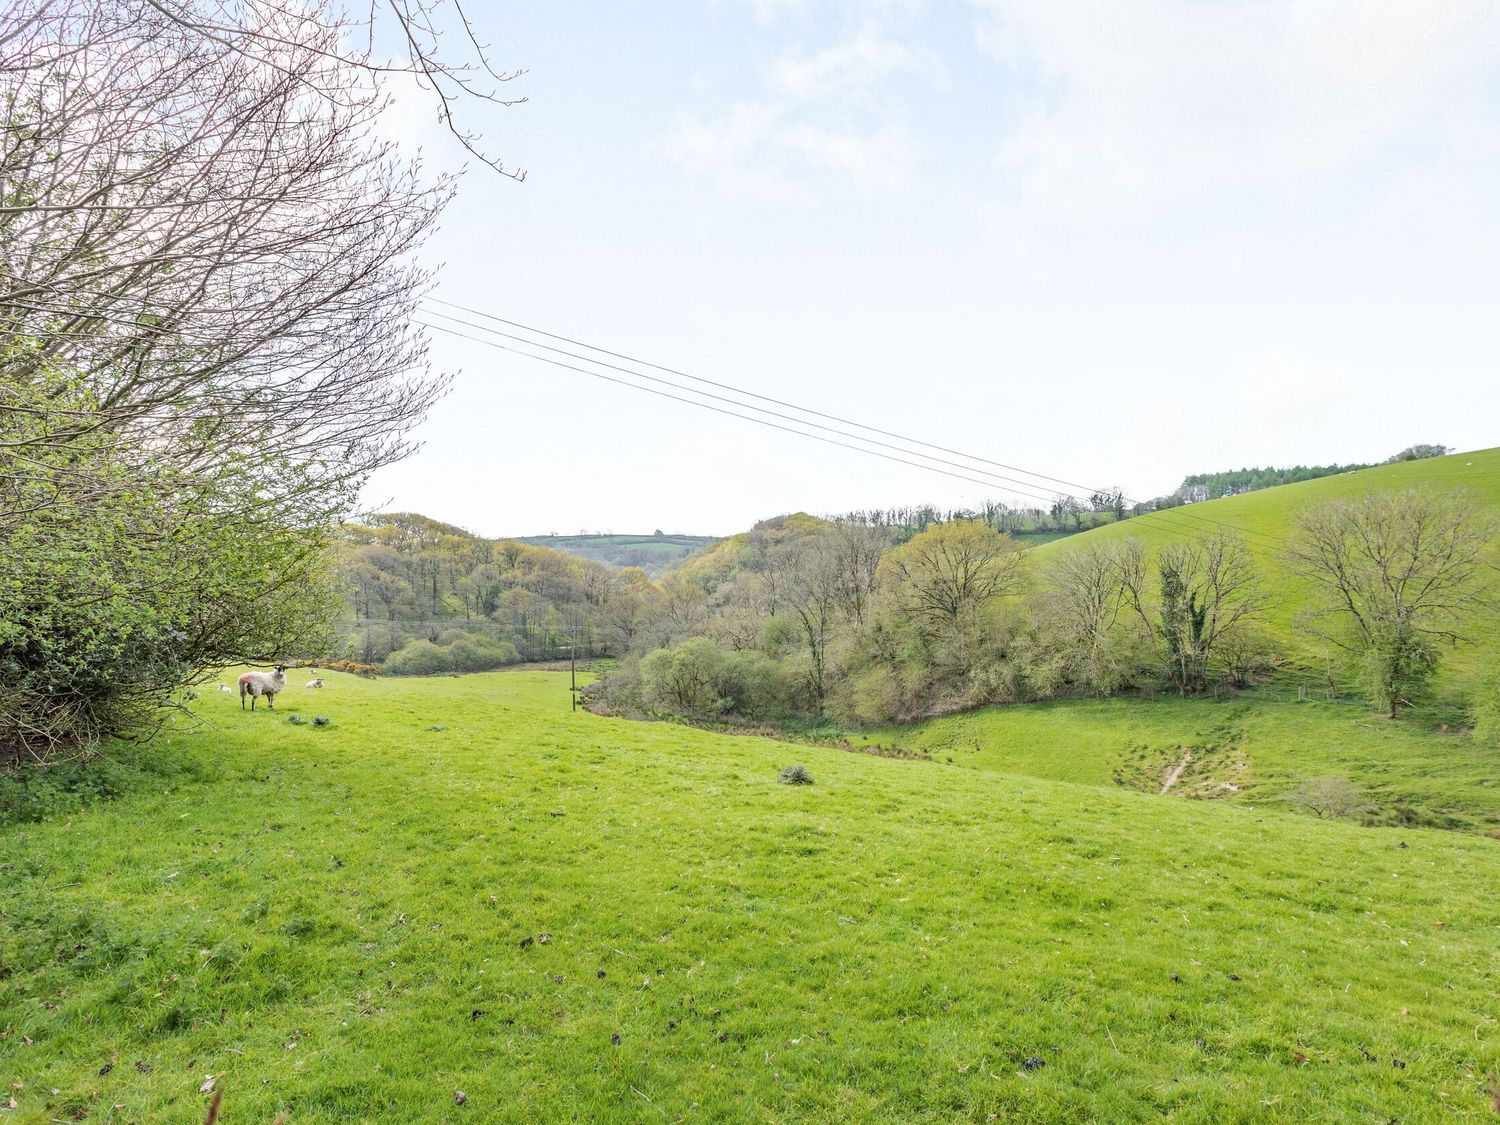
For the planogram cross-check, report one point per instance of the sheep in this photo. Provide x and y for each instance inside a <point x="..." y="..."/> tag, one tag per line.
<point x="226" y="689"/>
<point x="257" y="684"/>
<point x="315" y="683"/>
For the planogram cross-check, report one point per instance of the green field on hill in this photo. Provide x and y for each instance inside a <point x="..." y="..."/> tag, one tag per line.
<point x="460" y="885"/>
<point x="1242" y="748"/>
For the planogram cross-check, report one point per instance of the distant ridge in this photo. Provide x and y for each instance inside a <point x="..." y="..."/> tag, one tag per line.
<point x="653" y="552"/>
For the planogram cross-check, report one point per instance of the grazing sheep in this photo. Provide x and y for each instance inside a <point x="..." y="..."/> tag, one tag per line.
<point x="315" y="683"/>
<point x="226" y="689"/>
<point x="257" y="684"/>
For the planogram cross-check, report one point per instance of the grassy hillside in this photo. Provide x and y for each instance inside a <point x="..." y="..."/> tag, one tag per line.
<point x="460" y="885"/>
<point x="1243" y="750"/>
<point x="1267" y="517"/>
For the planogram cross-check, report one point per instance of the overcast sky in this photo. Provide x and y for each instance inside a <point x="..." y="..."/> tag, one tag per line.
<point x="1109" y="243"/>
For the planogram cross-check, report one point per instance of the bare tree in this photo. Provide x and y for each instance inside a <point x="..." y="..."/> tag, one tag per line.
<point x="1208" y="590"/>
<point x="813" y="582"/>
<point x="943" y="578"/>
<point x="206" y="340"/>
<point x="1399" y="575"/>
<point x="1330" y="797"/>
<point x="857" y="552"/>
<point x="1085" y="620"/>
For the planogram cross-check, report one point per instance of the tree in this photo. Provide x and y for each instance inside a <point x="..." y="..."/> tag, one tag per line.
<point x="1207" y="592"/>
<point x="1398" y="573"/>
<point x="857" y="552"/>
<point x="1085" y="637"/>
<point x="943" y="578"/>
<point x="1419" y="453"/>
<point x="1329" y="797"/>
<point x="813" y="582"/>
<point x="206" y="338"/>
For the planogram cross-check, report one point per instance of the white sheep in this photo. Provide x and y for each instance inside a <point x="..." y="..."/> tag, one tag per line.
<point x="226" y="689"/>
<point x="315" y="683"/>
<point x="257" y="684"/>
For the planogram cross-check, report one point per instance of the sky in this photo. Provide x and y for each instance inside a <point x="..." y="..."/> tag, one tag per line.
<point x="1111" y="244"/>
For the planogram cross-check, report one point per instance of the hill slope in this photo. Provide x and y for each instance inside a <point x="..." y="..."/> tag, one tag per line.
<point x="347" y="923"/>
<point x="1267" y="518"/>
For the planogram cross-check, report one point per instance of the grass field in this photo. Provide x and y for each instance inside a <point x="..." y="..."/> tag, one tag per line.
<point x="1240" y="749"/>
<point x="346" y="923"/>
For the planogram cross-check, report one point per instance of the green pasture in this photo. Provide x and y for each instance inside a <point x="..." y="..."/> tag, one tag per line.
<point x="459" y="884"/>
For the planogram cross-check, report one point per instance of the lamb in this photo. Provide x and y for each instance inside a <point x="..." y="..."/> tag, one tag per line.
<point x="257" y="684"/>
<point x="226" y="689"/>
<point x="315" y="683"/>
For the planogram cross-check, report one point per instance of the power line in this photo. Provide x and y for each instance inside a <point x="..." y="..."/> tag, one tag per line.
<point x="736" y="402"/>
<point x="1085" y="489"/>
<point x="721" y="410"/>
<point x="1154" y="516"/>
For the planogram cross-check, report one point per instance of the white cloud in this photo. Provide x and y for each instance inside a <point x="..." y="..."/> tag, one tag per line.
<point x="827" y="123"/>
<point x="1135" y="108"/>
<point x="766" y="153"/>
<point x="868" y="59"/>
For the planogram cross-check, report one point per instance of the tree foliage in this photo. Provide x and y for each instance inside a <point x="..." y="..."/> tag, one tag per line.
<point x="206" y="339"/>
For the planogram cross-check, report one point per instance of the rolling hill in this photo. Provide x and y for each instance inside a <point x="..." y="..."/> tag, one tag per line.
<point x="1267" y="517"/>
<point x="1257" y="746"/>
<point x="652" y="553"/>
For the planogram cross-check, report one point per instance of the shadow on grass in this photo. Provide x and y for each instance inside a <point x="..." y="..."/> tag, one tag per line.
<point x="29" y="794"/>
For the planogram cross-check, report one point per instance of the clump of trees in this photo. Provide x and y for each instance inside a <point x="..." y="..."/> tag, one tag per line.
<point x="1419" y="452"/>
<point x="416" y="588"/>
<point x="806" y="619"/>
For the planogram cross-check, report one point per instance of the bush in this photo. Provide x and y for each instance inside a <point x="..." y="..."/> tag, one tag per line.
<point x="795" y="775"/>
<point x="369" y="671"/>
<point x="419" y="658"/>
<point x="1330" y="797"/>
<point x="699" y="680"/>
<point x="472" y="652"/>
<point x="373" y="643"/>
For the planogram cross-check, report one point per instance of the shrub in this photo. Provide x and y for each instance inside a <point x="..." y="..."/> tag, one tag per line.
<point x="795" y="775"/>
<point x="700" y="680"/>
<point x="1330" y="797"/>
<point x="472" y="652"/>
<point x="419" y="658"/>
<point x="369" y="671"/>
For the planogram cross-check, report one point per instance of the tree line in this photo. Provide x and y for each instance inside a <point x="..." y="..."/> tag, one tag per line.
<point x="807" y="619"/>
